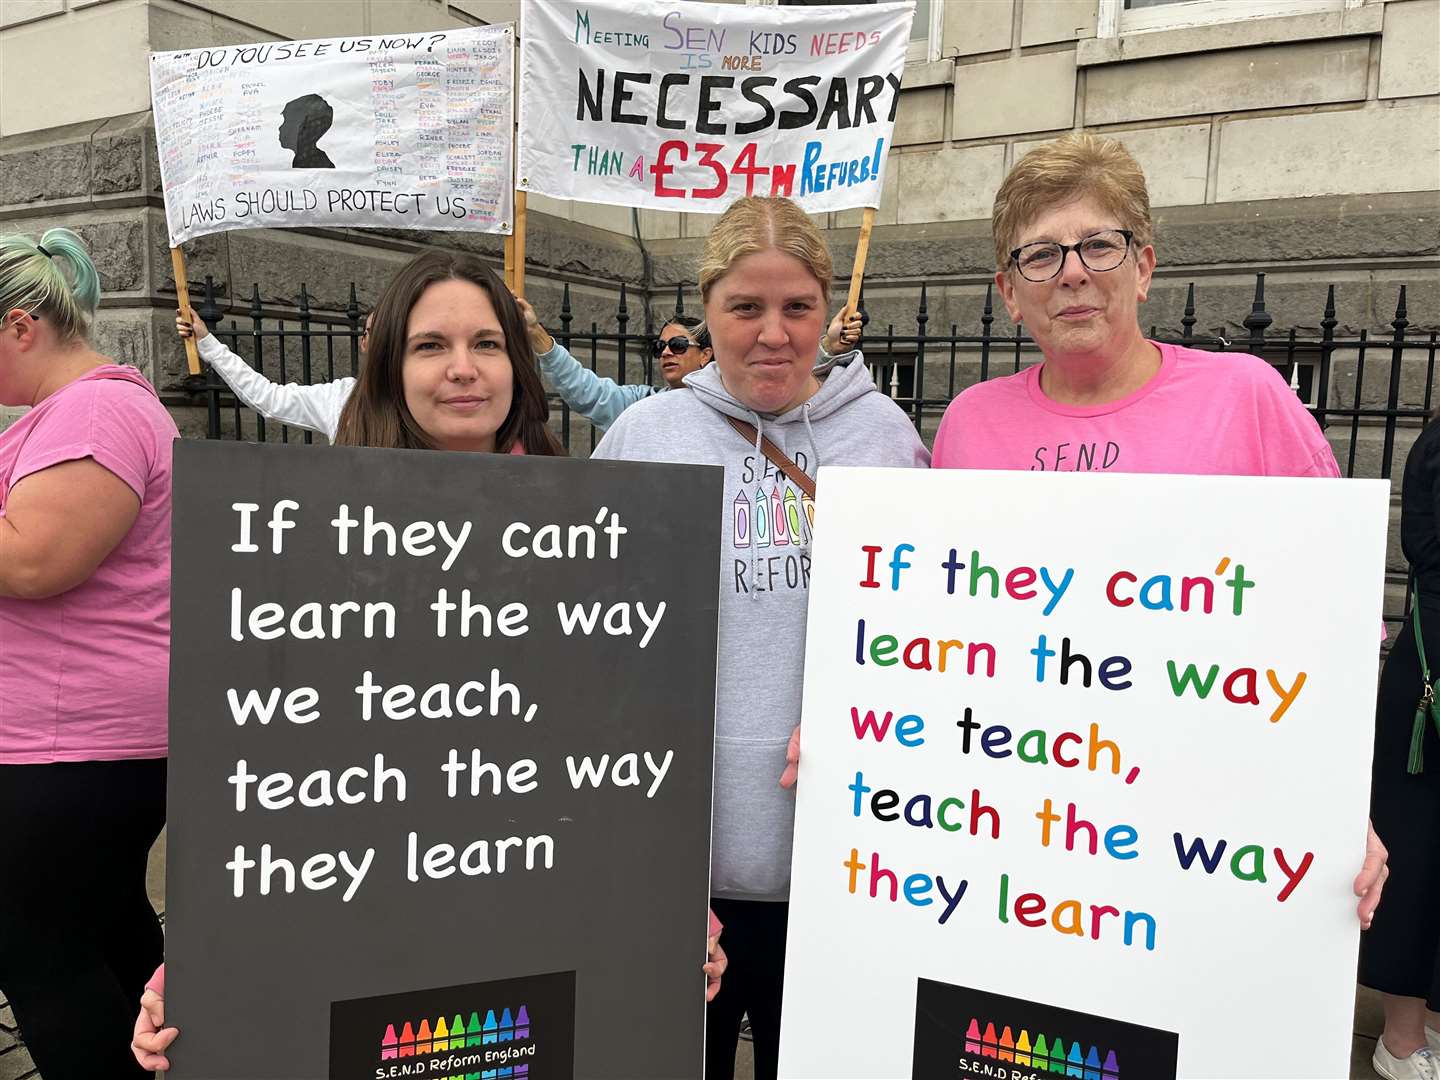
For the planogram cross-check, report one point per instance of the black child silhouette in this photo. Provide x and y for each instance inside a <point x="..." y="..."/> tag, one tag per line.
<point x="306" y="120"/>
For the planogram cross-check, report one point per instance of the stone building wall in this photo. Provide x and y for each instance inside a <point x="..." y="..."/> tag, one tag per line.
<point x="1306" y="147"/>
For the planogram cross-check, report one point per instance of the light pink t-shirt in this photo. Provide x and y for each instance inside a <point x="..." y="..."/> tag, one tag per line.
<point x="84" y="675"/>
<point x="1226" y="414"/>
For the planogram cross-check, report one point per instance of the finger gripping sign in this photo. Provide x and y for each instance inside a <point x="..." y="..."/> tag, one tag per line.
<point x="441" y="736"/>
<point x="405" y="131"/>
<point x="1084" y="775"/>
<point x="691" y="106"/>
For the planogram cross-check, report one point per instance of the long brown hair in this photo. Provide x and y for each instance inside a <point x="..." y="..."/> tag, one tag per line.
<point x="376" y="414"/>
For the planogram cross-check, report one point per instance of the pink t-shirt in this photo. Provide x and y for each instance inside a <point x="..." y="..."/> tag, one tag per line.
<point x="84" y="675"/>
<point x="1226" y="414"/>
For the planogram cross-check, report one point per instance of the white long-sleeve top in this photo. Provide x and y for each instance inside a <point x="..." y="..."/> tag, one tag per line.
<point x="315" y="407"/>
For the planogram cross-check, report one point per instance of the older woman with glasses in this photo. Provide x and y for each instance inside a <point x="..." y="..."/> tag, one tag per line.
<point x="1073" y="244"/>
<point x="682" y="347"/>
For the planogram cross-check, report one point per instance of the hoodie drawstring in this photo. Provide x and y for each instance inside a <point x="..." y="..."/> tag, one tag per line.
<point x="802" y="542"/>
<point x="759" y="453"/>
<point x="814" y="456"/>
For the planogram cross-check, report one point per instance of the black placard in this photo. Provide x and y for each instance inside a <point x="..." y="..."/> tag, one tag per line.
<point x="607" y="880"/>
<point x="964" y="1032"/>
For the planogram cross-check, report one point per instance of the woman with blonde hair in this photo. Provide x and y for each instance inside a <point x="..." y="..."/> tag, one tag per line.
<point x="766" y="413"/>
<point x="84" y="662"/>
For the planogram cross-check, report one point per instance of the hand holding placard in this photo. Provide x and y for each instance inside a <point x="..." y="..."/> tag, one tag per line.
<point x="1085" y="742"/>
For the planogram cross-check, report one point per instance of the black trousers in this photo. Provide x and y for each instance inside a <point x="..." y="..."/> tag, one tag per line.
<point x="1400" y="953"/>
<point x="78" y="937"/>
<point x="754" y="944"/>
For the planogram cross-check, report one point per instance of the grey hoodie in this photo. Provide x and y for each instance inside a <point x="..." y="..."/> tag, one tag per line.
<point x="765" y="527"/>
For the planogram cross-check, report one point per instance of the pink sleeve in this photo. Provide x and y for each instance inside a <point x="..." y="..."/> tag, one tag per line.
<point x="157" y="981"/>
<point x="715" y="926"/>
<point x="937" y="455"/>
<point x="1293" y="444"/>
<point x="107" y="420"/>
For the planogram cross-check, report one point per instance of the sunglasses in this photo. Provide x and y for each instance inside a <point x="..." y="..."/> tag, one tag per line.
<point x="677" y="346"/>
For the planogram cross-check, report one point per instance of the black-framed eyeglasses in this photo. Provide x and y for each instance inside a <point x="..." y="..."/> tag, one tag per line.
<point x="677" y="345"/>
<point x="1100" y="251"/>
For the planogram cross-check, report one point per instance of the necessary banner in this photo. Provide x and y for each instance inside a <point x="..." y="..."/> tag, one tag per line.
<point x="441" y="733"/>
<point x="1084" y="775"/>
<point x="405" y="131"/>
<point x="691" y="106"/>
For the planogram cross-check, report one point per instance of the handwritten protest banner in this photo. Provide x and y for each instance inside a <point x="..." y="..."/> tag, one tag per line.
<point x="1084" y="775"/>
<point x="441" y="734"/>
<point x="409" y="131"/>
<point x="691" y="106"/>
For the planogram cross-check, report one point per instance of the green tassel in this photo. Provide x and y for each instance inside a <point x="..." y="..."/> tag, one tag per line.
<point x="1417" y="742"/>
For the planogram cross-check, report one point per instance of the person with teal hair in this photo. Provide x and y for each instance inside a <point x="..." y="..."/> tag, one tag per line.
<point x="85" y="481"/>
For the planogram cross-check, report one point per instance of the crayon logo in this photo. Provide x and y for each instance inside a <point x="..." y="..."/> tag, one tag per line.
<point x="500" y="1047"/>
<point x="965" y="1033"/>
<point x="1052" y="1055"/>
<point x="780" y="517"/>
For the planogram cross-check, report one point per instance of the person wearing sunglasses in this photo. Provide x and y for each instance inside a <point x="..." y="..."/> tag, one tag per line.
<point x="681" y="347"/>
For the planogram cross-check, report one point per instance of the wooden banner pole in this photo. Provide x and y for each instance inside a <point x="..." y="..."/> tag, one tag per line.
<point x="519" y="243"/>
<point x="510" y="262"/>
<point x="182" y="293"/>
<point x="862" y="251"/>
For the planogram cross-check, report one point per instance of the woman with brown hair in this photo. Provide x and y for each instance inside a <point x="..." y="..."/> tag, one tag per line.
<point x="449" y="366"/>
<point x="440" y="289"/>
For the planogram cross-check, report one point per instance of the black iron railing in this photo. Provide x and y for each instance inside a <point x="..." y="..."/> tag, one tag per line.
<point x="921" y="370"/>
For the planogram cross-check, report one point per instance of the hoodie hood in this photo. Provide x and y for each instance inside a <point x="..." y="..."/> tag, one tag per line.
<point x="766" y="524"/>
<point x="843" y="379"/>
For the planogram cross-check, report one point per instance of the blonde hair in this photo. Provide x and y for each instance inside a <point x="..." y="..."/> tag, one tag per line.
<point x="1075" y="166"/>
<point x="753" y="224"/>
<point x="58" y="283"/>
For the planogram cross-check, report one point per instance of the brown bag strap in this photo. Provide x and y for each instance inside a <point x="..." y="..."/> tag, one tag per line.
<point x="798" y="476"/>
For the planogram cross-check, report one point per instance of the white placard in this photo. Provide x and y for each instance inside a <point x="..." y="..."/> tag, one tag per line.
<point x="404" y="131"/>
<point x="691" y="106"/>
<point x="1270" y="588"/>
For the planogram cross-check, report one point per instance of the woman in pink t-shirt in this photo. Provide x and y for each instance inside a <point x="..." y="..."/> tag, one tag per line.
<point x="84" y="661"/>
<point x="1073" y="236"/>
<point x="449" y="367"/>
